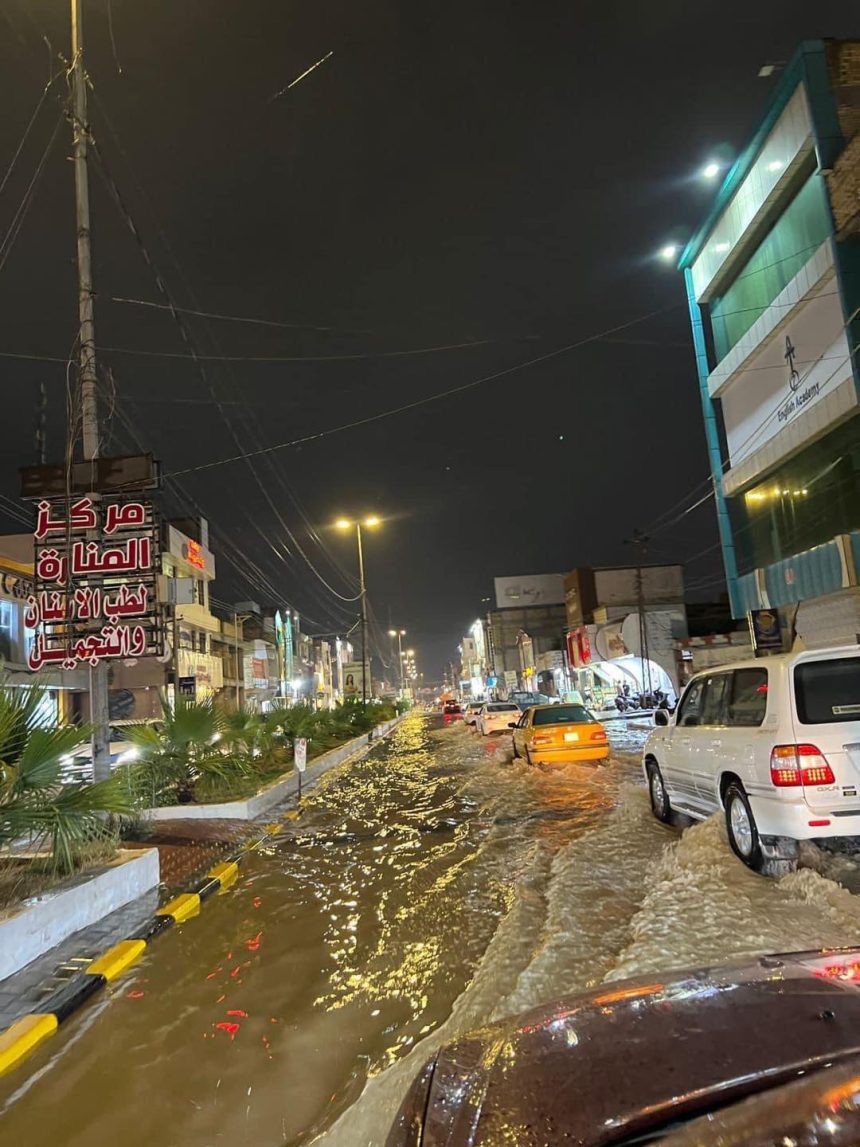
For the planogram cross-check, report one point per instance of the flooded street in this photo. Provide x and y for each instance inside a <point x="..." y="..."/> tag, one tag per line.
<point x="430" y="886"/>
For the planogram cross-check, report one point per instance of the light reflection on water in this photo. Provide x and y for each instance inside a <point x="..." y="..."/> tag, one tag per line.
<point x="430" y="887"/>
<point x="344" y="945"/>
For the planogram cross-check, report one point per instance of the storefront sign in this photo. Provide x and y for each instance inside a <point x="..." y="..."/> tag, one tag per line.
<point x="609" y="642"/>
<point x="95" y="593"/>
<point x="786" y="376"/>
<point x="13" y="585"/>
<point x="193" y="554"/>
<point x="765" y="630"/>
<point x="578" y="648"/>
<point x="300" y="753"/>
<point x="187" y="687"/>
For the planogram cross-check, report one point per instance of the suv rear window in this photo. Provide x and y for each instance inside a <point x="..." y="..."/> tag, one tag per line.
<point x="502" y="708"/>
<point x="563" y="715"/>
<point x="828" y="691"/>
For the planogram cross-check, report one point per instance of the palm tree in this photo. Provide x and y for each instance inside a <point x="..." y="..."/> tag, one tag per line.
<point x="172" y="756"/>
<point x="34" y="800"/>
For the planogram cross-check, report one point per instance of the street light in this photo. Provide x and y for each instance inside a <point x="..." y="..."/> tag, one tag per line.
<point x="711" y="170"/>
<point x="669" y="252"/>
<point x="399" y="634"/>
<point x="347" y="524"/>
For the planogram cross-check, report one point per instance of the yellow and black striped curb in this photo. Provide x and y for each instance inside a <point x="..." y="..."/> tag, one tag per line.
<point x="26" y="1033"/>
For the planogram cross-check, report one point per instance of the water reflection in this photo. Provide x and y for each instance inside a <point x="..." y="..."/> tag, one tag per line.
<point x="344" y="946"/>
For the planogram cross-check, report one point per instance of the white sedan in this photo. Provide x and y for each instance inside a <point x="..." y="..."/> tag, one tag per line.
<point x="496" y="717"/>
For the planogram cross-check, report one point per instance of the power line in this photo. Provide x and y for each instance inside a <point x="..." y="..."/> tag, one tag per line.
<point x="171" y="305"/>
<point x="199" y="359"/>
<point x="242" y="318"/>
<point x="24" y="206"/>
<point x="27" y="130"/>
<point x="422" y="401"/>
<point x="358" y="356"/>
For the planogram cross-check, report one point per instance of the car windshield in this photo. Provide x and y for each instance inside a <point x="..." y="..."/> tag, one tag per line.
<point x="563" y="715"/>
<point x="828" y="691"/>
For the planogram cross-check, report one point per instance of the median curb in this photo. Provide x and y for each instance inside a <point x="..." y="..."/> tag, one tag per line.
<point x="29" y="1031"/>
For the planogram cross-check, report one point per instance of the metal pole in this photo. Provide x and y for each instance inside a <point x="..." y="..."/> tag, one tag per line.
<point x="400" y="657"/>
<point x="236" y="635"/>
<point x="99" y="711"/>
<point x="640" y="541"/>
<point x="363" y="591"/>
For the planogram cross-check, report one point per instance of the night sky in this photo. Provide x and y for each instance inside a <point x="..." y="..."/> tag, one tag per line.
<point x="461" y="172"/>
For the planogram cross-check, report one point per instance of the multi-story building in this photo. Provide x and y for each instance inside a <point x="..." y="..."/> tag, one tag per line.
<point x="773" y="282"/>
<point x="528" y="622"/>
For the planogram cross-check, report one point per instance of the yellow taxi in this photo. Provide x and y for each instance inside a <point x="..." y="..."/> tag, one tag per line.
<point x="564" y="733"/>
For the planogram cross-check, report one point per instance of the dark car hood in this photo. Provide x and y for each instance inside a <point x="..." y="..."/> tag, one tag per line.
<point x="599" y="1067"/>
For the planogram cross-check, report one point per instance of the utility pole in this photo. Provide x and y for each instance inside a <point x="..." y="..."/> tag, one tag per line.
<point x="238" y="661"/>
<point x="640" y="541"/>
<point x="399" y="634"/>
<point x="363" y="591"/>
<point x="99" y="712"/>
<point x="41" y="427"/>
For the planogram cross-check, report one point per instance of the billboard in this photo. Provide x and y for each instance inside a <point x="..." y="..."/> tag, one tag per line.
<point x="352" y="680"/>
<point x="803" y="366"/>
<point x="620" y="586"/>
<point x="528" y="590"/>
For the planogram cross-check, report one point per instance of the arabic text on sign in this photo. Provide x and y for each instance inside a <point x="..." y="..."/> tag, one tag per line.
<point x="133" y="556"/>
<point x="194" y="554"/>
<point x="111" y="641"/>
<point x="83" y="516"/>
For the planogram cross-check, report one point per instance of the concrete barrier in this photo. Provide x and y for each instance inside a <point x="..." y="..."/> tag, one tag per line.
<point x="43" y="924"/>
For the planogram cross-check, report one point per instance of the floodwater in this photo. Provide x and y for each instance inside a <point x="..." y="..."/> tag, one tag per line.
<point x="431" y="886"/>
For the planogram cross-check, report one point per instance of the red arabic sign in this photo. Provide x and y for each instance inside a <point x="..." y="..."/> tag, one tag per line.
<point x="95" y="587"/>
<point x="194" y="554"/>
<point x="578" y="648"/>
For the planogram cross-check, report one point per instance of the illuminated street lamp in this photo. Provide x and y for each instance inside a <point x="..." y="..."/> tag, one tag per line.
<point x="711" y="170"/>
<point x="669" y="252"/>
<point x="347" y="524"/>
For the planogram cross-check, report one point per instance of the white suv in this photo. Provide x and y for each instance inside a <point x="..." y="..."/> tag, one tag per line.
<point x="775" y="743"/>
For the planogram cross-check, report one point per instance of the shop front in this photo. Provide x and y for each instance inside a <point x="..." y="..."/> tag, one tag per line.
<point x="602" y="667"/>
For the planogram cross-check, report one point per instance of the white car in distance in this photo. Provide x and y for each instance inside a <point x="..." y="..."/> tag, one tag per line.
<point x="496" y="717"/>
<point x="470" y="713"/>
<point x="772" y="743"/>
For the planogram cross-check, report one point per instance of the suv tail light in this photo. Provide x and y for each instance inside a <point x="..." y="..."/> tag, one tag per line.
<point x="795" y="765"/>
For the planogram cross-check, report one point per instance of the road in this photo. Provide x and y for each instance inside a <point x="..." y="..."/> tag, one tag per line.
<point x="430" y="886"/>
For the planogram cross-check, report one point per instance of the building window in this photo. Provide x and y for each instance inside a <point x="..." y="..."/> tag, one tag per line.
<point x="809" y="500"/>
<point x="201" y="640"/>
<point x="199" y="591"/>
<point x="785" y="249"/>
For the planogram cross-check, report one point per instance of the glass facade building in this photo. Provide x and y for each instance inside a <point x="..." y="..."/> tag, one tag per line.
<point x="773" y="285"/>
